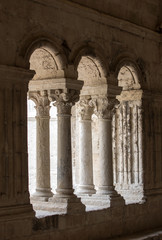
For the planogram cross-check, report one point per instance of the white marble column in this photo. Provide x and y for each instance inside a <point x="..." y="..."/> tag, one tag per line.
<point x="85" y="111"/>
<point x="104" y="108"/>
<point x="43" y="188"/>
<point x="64" y="167"/>
<point x="64" y="192"/>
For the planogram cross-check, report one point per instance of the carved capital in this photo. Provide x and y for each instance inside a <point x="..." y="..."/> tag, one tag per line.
<point x="42" y="102"/>
<point x="85" y="109"/>
<point x="105" y="107"/>
<point x="64" y="100"/>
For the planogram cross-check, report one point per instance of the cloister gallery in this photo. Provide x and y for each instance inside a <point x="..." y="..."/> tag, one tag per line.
<point x="85" y="161"/>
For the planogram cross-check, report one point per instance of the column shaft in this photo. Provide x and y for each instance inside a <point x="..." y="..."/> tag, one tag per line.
<point x="43" y="189"/>
<point x="105" y="157"/>
<point x="86" y="163"/>
<point x="85" y="111"/>
<point x="43" y="158"/>
<point x="64" y="197"/>
<point x="64" y="163"/>
<point x="103" y="109"/>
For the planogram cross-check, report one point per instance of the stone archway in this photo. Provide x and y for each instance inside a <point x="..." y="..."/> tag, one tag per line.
<point x="57" y="85"/>
<point x="127" y="136"/>
<point x="45" y="66"/>
<point x="93" y="162"/>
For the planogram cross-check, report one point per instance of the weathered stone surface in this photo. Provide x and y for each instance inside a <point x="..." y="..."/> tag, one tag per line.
<point x="43" y="186"/>
<point x="108" y="47"/>
<point x="85" y="110"/>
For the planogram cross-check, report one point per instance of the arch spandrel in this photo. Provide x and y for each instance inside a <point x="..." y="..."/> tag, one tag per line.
<point x="43" y="63"/>
<point x="55" y="51"/>
<point x="49" y="43"/>
<point x="90" y="62"/>
<point x="92" y="51"/>
<point x="128" y="62"/>
<point x="89" y="71"/>
<point x="128" y="78"/>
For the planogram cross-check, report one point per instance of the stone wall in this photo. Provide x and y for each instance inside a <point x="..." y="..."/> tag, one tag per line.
<point x="70" y="31"/>
<point x="102" y="224"/>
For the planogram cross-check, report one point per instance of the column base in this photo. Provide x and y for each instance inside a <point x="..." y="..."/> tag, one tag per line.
<point x="104" y="190"/>
<point x="95" y="201"/>
<point x="64" y="192"/>
<point x="41" y="194"/>
<point x="86" y="189"/>
<point x="71" y="203"/>
<point x="114" y="198"/>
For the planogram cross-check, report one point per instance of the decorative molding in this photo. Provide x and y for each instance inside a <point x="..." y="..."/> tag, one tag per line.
<point x="52" y="84"/>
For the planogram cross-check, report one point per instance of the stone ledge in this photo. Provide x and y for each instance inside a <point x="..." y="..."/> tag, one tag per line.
<point x="153" y="235"/>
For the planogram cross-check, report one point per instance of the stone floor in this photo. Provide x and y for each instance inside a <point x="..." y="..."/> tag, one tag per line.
<point x="152" y="235"/>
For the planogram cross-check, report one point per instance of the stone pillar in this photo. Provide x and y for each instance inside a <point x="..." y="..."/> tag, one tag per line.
<point x="14" y="194"/>
<point x="85" y="111"/>
<point x="43" y="188"/>
<point x="104" y="109"/>
<point x="64" y="100"/>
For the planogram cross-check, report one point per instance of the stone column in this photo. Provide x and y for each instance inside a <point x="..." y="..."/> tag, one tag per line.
<point x="43" y="189"/>
<point x="14" y="194"/>
<point x="85" y="111"/>
<point x="64" y="100"/>
<point x="104" y="109"/>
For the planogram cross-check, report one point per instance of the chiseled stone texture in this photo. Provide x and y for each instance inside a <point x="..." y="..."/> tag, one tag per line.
<point x="102" y="224"/>
<point x="112" y="33"/>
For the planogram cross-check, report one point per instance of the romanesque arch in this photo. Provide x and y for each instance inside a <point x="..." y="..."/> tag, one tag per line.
<point x="93" y="119"/>
<point x="89" y="65"/>
<point x="127" y="133"/>
<point x="54" y="82"/>
<point x="49" y="64"/>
